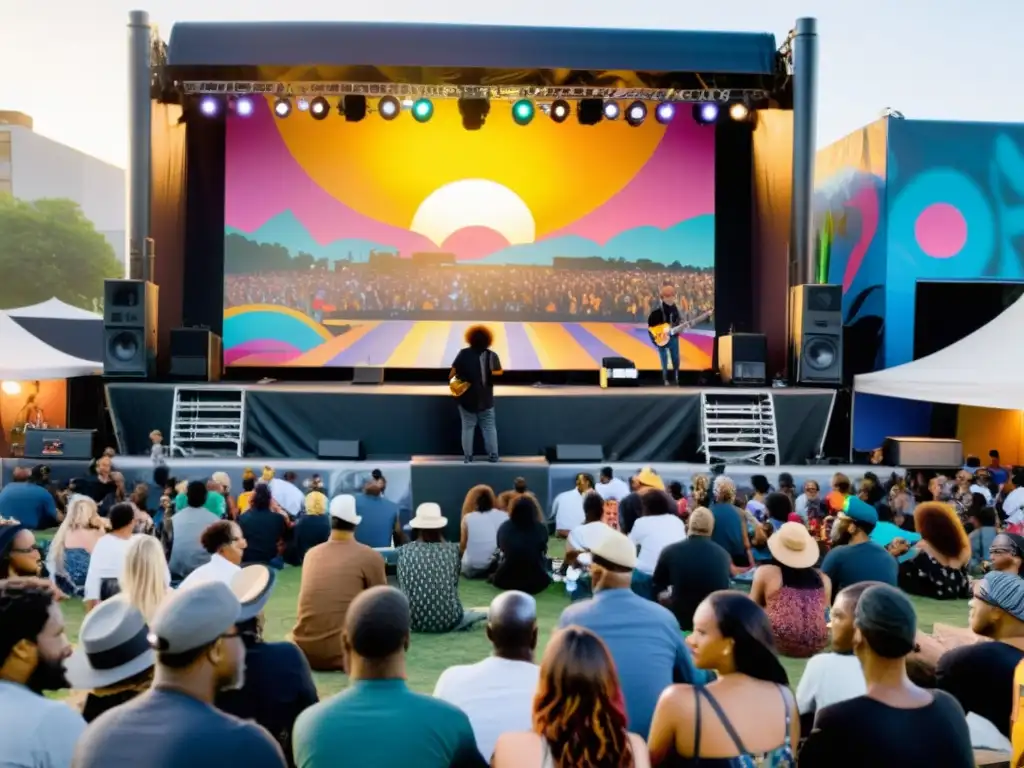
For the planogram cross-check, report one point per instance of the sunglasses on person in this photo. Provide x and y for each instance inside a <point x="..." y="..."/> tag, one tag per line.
<point x="1011" y="551"/>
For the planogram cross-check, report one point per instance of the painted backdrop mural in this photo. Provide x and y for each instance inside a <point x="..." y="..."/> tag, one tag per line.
<point x="379" y="242"/>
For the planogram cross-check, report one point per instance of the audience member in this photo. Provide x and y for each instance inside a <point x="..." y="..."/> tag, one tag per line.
<point x="642" y="636"/>
<point x="145" y="581"/>
<point x="710" y="724"/>
<point x="106" y="564"/>
<point x="794" y="594"/>
<point x="939" y="569"/>
<point x="983" y="534"/>
<point x="67" y="559"/>
<point x="690" y="570"/>
<point x="895" y="723"/>
<point x="244" y="500"/>
<point x="286" y="493"/>
<point x="578" y="716"/>
<point x="854" y="557"/>
<point x="756" y="503"/>
<point x="226" y="545"/>
<point x="889" y="534"/>
<point x="582" y="538"/>
<point x="836" y="676"/>
<point x="28" y="502"/>
<point x="1007" y="553"/>
<point x="497" y="693"/>
<point x="610" y="487"/>
<point x="190" y="495"/>
<point x="34" y="730"/>
<point x="478" y="534"/>
<point x="278" y="683"/>
<point x="809" y="503"/>
<point x="187" y="551"/>
<point x="631" y="506"/>
<point x="378" y="721"/>
<point x="113" y="661"/>
<point x="266" y="530"/>
<point x="312" y="528"/>
<point x="567" y="508"/>
<point x="730" y="528"/>
<point x="659" y="527"/>
<point x="19" y="554"/>
<point x="381" y="524"/>
<point x="333" y="575"/>
<point x="523" y="542"/>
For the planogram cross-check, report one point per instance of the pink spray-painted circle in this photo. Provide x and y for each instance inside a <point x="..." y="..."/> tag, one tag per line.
<point x="941" y="231"/>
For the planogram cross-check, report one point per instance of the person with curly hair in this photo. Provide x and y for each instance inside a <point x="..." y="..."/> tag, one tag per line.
<point x="472" y="381"/>
<point x="579" y="716"/>
<point x="939" y="569"/>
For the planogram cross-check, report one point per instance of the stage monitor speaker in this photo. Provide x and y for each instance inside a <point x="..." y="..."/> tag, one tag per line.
<point x="816" y="334"/>
<point x="196" y="355"/>
<point x="742" y="359"/>
<point x="60" y="444"/>
<point x="922" y="453"/>
<point x="129" y="328"/>
<point x="577" y="454"/>
<point x="618" y="372"/>
<point x="368" y="376"/>
<point x="340" y="449"/>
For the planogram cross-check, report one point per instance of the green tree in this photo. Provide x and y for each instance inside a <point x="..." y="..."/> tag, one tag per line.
<point x="49" y="248"/>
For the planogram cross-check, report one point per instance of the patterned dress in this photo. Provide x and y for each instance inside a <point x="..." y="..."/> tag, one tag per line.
<point x="927" y="577"/>
<point x="428" y="573"/>
<point x="76" y="566"/>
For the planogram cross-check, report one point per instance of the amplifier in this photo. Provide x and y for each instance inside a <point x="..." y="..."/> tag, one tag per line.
<point x="59" y="443"/>
<point x="922" y="452"/>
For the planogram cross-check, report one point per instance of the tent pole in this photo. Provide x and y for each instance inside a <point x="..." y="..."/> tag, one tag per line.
<point x="139" y="141"/>
<point x="805" y="97"/>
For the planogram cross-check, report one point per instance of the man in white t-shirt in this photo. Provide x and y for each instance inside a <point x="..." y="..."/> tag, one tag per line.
<point x="107" y="559"/>
<point x="659" y="526"/>
<point x="583" y="537"/>
<point x="1013" y="504"/>
<point x="610" y="487"/>
<point x="287" y="494"/>
<point x="497" y="693"/>
<point x="567" y="508"/>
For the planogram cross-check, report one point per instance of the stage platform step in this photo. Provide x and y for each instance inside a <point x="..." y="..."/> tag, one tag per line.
<point x="739" y="427"/>
<point x="208" y="421"/>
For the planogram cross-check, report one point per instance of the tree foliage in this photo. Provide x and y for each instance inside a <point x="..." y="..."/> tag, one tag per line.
<point x="49" y="248"/>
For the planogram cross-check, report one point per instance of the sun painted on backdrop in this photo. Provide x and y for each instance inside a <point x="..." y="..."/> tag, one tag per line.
<point x="941" y="231"/>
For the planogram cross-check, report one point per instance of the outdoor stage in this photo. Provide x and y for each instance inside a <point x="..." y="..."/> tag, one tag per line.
<point x="397" y="422"/>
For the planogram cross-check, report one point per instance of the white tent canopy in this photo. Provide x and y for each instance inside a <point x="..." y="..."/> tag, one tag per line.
<point x="982" y="369"/>
<point x="54" y="309"/>
<point x="23" y="356"/>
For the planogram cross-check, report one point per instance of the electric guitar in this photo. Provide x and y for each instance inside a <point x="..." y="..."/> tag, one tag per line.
<point x="662" y="334"/>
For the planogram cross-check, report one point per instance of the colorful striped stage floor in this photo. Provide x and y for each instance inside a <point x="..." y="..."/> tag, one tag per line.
<point x="434" y="344"/>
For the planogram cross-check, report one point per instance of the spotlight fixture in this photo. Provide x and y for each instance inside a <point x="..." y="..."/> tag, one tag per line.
<point x="353" y="107"/>
<point x="208" y="106"/>
<point x="739" y="112"/>
<point x="560" y="110"/>
<point x="706" y="113"/>
<point x="389" y="107"/>
<point x="523" y="111"/>
<point x="611" y="110"/>
<point x="665" y="112"/>
<point x="589" y="111"/>
<point x="243" y="106"/>
<point x="636" y="113"/>
<point x="422" y="110"/>
<point x="303" y="105"/>
<point x="319" y="109"/>
<point x="474" y="113"/>
<point x="282" y="107"/>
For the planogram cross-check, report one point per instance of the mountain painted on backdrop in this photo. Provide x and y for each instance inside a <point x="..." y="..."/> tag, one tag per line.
<point x="690" y="242"/>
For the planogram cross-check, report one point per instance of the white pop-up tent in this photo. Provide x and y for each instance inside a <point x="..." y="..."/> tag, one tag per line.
<point x="984" y="369"/>
<point x="54" y="309"/>
<point x="24" y="356"/>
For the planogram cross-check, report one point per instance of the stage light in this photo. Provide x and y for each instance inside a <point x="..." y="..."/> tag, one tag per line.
<point x="243" y="106"/>
<point x="319" y="109"/>
<point x="282" y="107"/>
<point x="523" y="111"/>
<point x="739" y="112"/>
<point x="665" y="112"/>
<point x="705" y="113"/>
<point x="560" y="110"/>
<point x="474" y="113"/>
<point x="208" y="106"/>
<point x="611" y="110"/>
<point x="636" y="113"/>
<point x="303" y="105"/>
<point x="353" y="108"/>
<point x="389" y="107"/>
<point x="589" y="111"/>
<point x="422" y="110"/>
<point x="11" y="388"/>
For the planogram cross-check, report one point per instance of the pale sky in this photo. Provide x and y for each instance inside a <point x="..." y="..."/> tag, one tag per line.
<point x="64" y="61"/>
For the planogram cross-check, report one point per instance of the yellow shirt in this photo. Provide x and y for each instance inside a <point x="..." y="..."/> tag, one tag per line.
<point x="244" y="501"/>
<point x="1017" y="719"/>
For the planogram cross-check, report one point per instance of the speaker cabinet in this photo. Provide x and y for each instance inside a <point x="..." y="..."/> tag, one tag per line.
<point x="368" y="377"/>
<point x="922" y="453"/>
<point x="196" y="355"/>
<point x="129" y="328"/>
<point x="742" y="359"/>
<point x="340" y="449"/>
<point x="577" y="454"/>
<point x="816" y="334"/>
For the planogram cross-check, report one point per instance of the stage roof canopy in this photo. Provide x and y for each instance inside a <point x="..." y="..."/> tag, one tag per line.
<point x="23" y="356"/>
<point x="344" y="44"/>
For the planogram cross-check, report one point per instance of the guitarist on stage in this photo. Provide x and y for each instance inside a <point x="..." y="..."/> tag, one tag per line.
<point x="664" y="324"/>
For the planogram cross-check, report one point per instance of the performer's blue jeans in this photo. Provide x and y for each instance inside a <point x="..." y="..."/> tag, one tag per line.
<point x="488" y="427"/>
<point x="670" y="353"/>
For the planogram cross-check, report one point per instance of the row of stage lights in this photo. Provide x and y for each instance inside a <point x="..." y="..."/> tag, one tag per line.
<point x="474" y="111"/>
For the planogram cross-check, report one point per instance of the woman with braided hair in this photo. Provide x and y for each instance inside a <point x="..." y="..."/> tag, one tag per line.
<point x="579" y="716"/>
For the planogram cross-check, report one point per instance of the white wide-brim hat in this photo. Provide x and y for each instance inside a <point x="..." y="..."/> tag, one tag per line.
<point x="428" y="516"/>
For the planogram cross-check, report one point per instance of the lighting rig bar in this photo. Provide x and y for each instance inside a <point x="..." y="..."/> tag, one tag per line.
<point x="492" y="92"/>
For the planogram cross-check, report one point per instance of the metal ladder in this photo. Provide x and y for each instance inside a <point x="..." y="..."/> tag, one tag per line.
<point x="208" y="421"/>
<point x="739" y="428"/>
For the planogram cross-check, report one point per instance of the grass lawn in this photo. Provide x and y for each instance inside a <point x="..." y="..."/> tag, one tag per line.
<point x="429" y="655"/>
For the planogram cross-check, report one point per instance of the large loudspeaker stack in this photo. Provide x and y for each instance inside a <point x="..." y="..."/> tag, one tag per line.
<point x="129" y="328"/>
<point x="816" y="334"/>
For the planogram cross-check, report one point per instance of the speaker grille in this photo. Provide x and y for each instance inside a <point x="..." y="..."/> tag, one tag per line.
<point x="824" y="298"/>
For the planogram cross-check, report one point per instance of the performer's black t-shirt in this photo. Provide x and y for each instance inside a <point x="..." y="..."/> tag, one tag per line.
<point x="664" y="313"/>
<point x="477" y="367"/>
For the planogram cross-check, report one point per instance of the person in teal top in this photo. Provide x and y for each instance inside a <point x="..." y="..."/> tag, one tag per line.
<point x="886" y="532"/>
<point x="377" y="721"/>
<point x="214" y="503"/>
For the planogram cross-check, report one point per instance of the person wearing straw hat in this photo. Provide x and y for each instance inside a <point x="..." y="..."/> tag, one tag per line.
<point x="113" y="661"/>
<point x="278" y="682"/>
<point x="794" y="593"/>
<point x="428" y="573"/>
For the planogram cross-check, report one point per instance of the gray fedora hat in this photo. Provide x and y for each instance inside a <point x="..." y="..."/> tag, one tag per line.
<point x="112" y="647"/>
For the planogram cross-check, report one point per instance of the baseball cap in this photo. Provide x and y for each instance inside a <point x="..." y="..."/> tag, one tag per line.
<point x="193" y="617"/>
<point x="859" y="511"/>
<point x="617" y="549"/>
<point x="888" y="613"/>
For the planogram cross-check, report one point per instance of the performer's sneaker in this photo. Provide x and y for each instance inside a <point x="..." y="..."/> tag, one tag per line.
<point x="493" y="458"/>
<point x="467" y="459"/>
